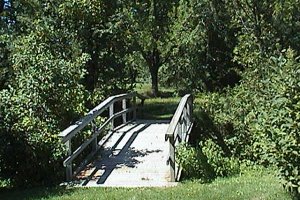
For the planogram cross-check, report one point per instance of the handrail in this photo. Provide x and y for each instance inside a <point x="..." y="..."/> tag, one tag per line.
<point x="178" y="131"/>
<point x="72" y="130"/>
<point x="79" y="125"/>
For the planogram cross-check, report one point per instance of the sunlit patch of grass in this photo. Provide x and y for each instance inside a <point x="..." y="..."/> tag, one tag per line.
<point x="159" y="108"/>
<point x="164" y="92"/>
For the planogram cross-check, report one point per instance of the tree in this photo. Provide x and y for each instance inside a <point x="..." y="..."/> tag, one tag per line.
<point x="202" y="41"/>
<point x="146" y="25"/>
<point x="95" y="24"/>
<point x="264" y="27"/>
<point x="1" y="5"/>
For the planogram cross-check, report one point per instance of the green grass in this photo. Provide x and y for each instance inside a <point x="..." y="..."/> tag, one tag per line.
<point x="159" y="108"/>
<point x="251" y="185"/>
<point x="145" y="89"/>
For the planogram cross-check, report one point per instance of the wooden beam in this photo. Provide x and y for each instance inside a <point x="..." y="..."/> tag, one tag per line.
<point x="124" y="108"/>
<point x="72" y="130"/>
<point x="178" y="131"/>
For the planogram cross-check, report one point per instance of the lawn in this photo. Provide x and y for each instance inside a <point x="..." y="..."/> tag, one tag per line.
<point x="252" y="185"/>
<point x="159" y="108"/>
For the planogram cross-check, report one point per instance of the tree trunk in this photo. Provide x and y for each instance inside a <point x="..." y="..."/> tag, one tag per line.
<point x="92" y="75"/>
<point x="153" y="61"/>
<point x="154" y="81"/>
<point x="1" y="6"/>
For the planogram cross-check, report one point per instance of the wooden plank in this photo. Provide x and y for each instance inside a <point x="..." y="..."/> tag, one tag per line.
<point x="135" y="108"/>
<point x="72" y="130"/>
<point x="171" y="160"/>
<point x="177" y="116"/>
<point x="87" y="142"/>
<point x="69" y="171"/>
<point x="124" y="108"/>
<point x="79" y="125"/>
<point x="111" y="114"/>
<point x="178" y="131"/>
<point x="135" y="155"/>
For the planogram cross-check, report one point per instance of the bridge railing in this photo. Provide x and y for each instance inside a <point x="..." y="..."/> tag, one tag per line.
<point x="179" y="131"/>
<point x="108" y="105"/>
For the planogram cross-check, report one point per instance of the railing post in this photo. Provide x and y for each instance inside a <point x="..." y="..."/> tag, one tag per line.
<point x="179" y="130"/>
<point x="185" y="122"/>
<point x="172" y="158"/>
<point x="95" y="141"/>
<point x="190" y="102"/>
<point x="134" y="107"/>
<point x="69" y="171"/>
<point x="111" y="113"/>
<point x="188" y="113"/>
<point x="124" y="108"/>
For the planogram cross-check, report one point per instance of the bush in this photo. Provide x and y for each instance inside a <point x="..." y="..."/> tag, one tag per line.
<point x="259" y="119"/>
<point x="44" y="95"/>
<point x="221" y="164"/>
<point x="193" y="163"/>
<point x="206" y="161"/>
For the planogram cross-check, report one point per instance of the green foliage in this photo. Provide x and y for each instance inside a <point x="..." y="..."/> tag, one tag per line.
<point x="44" y="95"/>
<point x="264" y="26"/>
<point x="193" y="163"/>
<point x="58" y="58"/>
<point x="201" y="41"/>
<point x="206" y="161"/>
<point x="277" y="121"/>
<point x="97" y="25"/>
<point x="146" y="28"/>
<point x="259" y="120"/>
<point x="222" y="165"/>
<point x="186" y="46"/>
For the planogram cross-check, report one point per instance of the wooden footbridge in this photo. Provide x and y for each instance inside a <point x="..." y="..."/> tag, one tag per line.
<point x="123" y="151"/>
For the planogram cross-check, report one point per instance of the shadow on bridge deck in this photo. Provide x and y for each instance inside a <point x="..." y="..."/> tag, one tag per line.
<point x="134" y="155"/>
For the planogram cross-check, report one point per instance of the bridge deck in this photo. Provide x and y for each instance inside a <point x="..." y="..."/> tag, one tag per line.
<point x="134" y="156"/>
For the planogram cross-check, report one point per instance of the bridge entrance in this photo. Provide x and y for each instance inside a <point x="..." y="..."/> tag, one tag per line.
<point x="137" y="153"/>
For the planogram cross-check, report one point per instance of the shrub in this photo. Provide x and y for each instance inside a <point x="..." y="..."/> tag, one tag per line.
<point x="44" y="95"/>
<point x="259" y="119"/>
<point x="193" y="163"/>
<point x="221" y="164"/>
<point x="206" y="161"/>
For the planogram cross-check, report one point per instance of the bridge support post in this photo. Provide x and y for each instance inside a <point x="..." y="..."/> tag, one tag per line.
<point x="69" y="170"/>
<point x="190" y="109"/>
<point x="124" y="108"/>
<point x="134" y="107"/>
<point x="111" y="113"/>
<point x="172" y="159"/>
<point x="95" y="141"/>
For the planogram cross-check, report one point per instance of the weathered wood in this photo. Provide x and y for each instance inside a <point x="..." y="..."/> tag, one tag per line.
<point x="69" y="171"/>
<point x="111" y="113"/>
<point x="177" y="115"/>
<point x="171" y="160"/>
<point x="124" y="108"/>
<point x="87" y="142"/>
<point x="79" y="125"/>
<point x="72" y="130"/>
<point x="135" y="108"/>
<point x="134" y="156"/>
<point x="178" y="131"/>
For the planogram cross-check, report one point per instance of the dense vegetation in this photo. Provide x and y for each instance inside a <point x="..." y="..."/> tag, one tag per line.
<point x="240" y="58"/>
